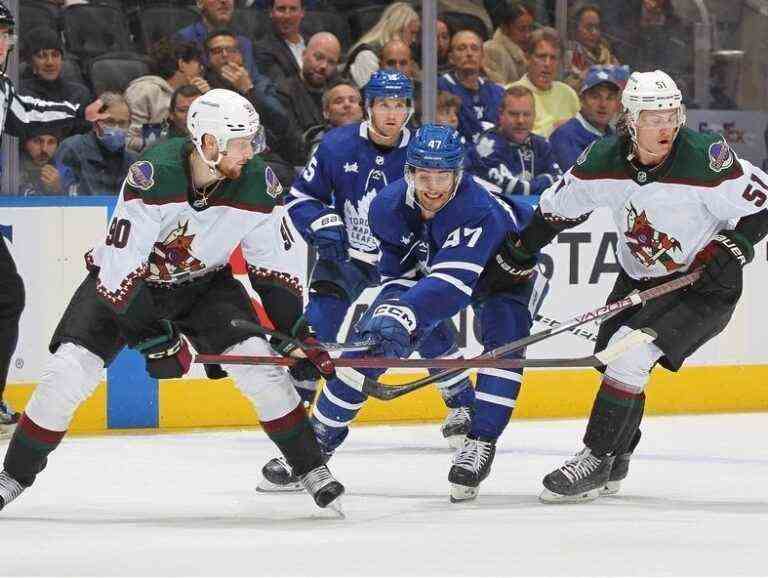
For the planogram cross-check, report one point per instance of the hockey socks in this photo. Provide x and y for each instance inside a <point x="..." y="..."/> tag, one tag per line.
<point x="294" y="436"/>
<point x="615" y="418"/>
<point x="28" y="451"/>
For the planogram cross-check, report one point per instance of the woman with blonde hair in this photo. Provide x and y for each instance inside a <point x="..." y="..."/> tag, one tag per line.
<point x="399" y="20"/>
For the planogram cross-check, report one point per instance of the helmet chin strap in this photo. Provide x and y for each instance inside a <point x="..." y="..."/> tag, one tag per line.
<point x="372" y="127"/>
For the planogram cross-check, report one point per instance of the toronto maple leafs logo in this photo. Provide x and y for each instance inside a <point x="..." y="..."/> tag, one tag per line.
<point x="479" y="111"/>
<point x="484" y="147"/>
<point x="356" y="218"/>
<point x="172" y="257"/>
<point x="648" y="245"/>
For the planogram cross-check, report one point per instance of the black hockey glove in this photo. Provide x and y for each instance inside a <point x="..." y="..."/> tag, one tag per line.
<point x="511" y="265"/>
<point x="167" y="355"/>
<point x="723" y="259"/>
<point x="315" y="365"/>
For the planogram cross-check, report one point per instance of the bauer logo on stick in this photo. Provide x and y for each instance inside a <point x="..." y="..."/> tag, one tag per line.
<point x="141" y="175"/>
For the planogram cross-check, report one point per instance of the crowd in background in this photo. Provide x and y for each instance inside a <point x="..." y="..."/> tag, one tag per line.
<point x="526" y="101"/>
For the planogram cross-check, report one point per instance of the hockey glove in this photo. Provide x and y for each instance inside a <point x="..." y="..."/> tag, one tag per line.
<point x="723" y="259"/>
<point x="329" y="236"/>
<point x="167" y="355"/>
<point x="511" y="265"/>
<point x="391" y="326"/>
<point x="315" y="365"/>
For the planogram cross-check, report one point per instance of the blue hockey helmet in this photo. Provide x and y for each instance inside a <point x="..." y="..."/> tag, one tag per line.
<point x="388" y="83"/>
<point x="436" y="147"/>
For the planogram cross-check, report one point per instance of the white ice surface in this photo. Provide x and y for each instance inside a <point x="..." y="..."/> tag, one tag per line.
<point x="695" y="503"/>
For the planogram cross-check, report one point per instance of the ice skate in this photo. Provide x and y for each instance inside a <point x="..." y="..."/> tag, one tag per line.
<point x="10" y="489"/>
<point x="277" y="476"/>
<point x="324" y="488"/>
<point x="456" y="426"/>
<point x="8" y="420"/>
<point x="580" y="479"/>
<point x="618" y="473"/>
<point x="471" y="465"/>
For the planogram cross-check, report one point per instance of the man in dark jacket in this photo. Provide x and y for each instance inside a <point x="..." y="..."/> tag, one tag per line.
<point x="38" y="175"/>
<point x="42" y="77"/>
<point x="96" y="163"/>
<point x="279" y="54"/>
<point x="302" y="96"/>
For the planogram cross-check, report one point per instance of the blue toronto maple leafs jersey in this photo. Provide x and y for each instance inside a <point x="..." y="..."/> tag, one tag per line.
<point x="479" y="109"/>
<point x="345" y="174"/>
<point x="438" y="262"/>
<point x="571" y="139"/>
<point x="526" y="169"/>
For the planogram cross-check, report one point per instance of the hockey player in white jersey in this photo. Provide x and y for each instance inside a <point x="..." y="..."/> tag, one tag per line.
<point x="682" y="200"/>
<point x="162" y="276"/>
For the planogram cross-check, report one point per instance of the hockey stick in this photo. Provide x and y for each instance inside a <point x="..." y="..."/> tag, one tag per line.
<point x="377" y="389"/>
<point x="549" y="322"/>
<point x="386" y="393"/>
<point x="325" y="345"/>
<point x="600" y="358"/>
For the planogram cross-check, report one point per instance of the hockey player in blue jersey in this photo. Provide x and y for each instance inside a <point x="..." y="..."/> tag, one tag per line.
<point x="442" y="236"/>
<point x="329" y="205"/>
<point x="510" y="156"/>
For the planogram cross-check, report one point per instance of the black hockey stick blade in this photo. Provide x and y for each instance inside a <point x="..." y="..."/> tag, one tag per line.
<point x="383" y="392"/>
<point x="326" y="346"/>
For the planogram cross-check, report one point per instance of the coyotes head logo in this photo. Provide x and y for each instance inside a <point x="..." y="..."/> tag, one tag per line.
<point x="648" y="245"/>
<point x="172" y="256"/>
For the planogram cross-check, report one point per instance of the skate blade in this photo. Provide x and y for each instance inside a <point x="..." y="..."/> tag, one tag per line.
<point x="549" y="497"/>
<point x="610" y="488"/>
<point x="336" y="506"/>
<point x="267" y="487"/>
<point x="456" y="442"/>
<point x="462" y="493"/>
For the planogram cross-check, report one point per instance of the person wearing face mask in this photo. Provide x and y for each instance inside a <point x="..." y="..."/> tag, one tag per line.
<point x="96" y="163"/>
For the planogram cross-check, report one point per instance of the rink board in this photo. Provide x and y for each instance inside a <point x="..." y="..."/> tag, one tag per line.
<point x="48" y="237"/>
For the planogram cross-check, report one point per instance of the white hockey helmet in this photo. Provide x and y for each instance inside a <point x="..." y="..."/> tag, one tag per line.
<point x="651" y="91"/>
<point x="225" y="115"/>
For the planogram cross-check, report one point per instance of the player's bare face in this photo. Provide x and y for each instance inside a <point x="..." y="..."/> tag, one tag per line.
<point x="656" y="131"/>
<point x="389" y="116"/>
<point x="239" y="152"/>
<point x="433" y="189"/>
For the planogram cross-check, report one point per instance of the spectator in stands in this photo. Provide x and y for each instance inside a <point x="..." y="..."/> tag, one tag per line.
<point x="396" y="54"/>
<point x="302" y="96"/>
<point x="225" y="70"/>
<point x="279" y="54"/>
<point x="38" y="176"/>
<point x="342" y="104"/>
<point x="505" y="59"/>
<point x="447" y="108"/>
<point x="174" y="63"/>
<point x="43" y="54"/>
<point x="96" y="163"/>
<point x="587" y="48"/>
<point x="600" y="104"/>
<point x="651" y="35"/>
<point x="475" y="8"/>
<point x="443" y="45"/>
<point x="214" y="15"/>
<point x="556" y="102"/>
<point x="480" y="98"/>
<point x="510" y="156"/>
<point x="181" y="99"/>
<point x="399" y="20"/>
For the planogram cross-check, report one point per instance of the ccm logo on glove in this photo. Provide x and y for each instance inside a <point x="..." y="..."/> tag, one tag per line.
<point x="404" y="315"/>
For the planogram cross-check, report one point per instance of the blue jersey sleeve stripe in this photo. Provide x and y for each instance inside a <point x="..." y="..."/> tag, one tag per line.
<point x="460" y="285"/>
<point x="475" y="268"/>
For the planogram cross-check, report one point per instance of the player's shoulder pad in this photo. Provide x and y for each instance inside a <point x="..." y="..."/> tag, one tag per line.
<point x="259" y="185"/>
<point x="603" y="156"/>
<point x="159" y="172"/>
<point x="705" y="155"/>
<point x="340" y="140"/>
<point x="471" y="203"/>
